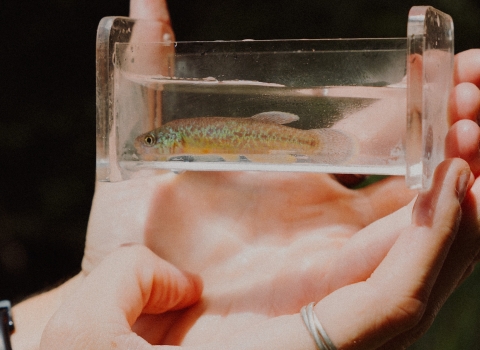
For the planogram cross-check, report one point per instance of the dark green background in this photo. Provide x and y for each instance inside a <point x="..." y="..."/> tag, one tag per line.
<point x="47" y="119"/>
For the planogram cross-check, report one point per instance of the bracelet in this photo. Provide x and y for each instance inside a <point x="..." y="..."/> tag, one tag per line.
<point x="7" y="326"/>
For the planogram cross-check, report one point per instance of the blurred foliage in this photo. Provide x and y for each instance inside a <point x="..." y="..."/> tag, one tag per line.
<point x="47" y="120"/>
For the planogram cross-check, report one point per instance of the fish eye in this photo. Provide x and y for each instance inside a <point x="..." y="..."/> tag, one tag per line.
<point x="149" y="140"/>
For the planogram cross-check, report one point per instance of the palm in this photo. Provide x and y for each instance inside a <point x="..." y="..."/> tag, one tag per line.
<point x="263" y="243"/>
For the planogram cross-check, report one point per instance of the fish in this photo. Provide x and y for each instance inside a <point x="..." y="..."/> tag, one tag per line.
<point x="261" y="134"/>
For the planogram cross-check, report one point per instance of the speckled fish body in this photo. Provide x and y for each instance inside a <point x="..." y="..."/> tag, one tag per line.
<point x="260" y="134"/>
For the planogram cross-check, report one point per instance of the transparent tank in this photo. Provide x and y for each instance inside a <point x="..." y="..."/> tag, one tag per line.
<point x="360" y="106"/>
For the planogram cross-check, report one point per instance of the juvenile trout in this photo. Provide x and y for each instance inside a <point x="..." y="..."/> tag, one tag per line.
<point x="260" y="134"/>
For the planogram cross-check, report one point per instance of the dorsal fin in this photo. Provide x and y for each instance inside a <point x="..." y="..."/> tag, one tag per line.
<point x="276" y="117"/>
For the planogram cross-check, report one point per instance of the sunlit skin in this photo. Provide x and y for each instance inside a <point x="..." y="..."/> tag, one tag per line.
<point x="255" y="278"/>
<point x="265" y="244"/>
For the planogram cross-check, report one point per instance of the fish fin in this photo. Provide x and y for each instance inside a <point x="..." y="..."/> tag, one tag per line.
<point x="196" y="158"/>
<point x="243" y="159"/>
<point x="335" y="146"/>
<point x="277" y="158"/>
<point x="276" y="117"/>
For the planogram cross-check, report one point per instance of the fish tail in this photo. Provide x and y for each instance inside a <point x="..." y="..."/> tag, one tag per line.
<point x="335" y="146"/>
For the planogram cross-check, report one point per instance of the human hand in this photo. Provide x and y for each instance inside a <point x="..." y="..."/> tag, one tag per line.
<point x="387" y="284"/>
<point x="255" y="238"/>
<point x="464" y="135"/>
<point x="101" y="312"/>
<point x="394" y="305"/>
<point x="463" y="138"/>
<point x="217" y="211"/>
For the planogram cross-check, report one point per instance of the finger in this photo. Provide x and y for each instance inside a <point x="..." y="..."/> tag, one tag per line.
<point x="118" y="216"/>
<point x="464" y="103"/>
<point x="364" y="315"/>
<point x="147" y="284"/>
<point x="458" y="265"/>
<point x="155" y="27"/>
<point x="156" y="10"/>
<point x="393" y="299"/>
<point x="462" y="141"/>
<point x="467" y="67"/>
<point x="128" y="282"/>
<point x="361" y="255"/>
<point x="385" y="196"/>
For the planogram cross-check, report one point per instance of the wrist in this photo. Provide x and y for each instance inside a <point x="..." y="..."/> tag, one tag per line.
<point x="32" y="315"/>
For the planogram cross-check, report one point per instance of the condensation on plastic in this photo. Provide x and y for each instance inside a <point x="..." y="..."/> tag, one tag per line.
<point x="141" y="86"/>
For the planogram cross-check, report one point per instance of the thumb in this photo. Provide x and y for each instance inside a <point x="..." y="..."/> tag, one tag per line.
<point x="397" y="293"/>
<point x="150" y="9"/>
<point x="386" y="196"/>
<point x="153" y="26"/>
<point x="129" y="282"/>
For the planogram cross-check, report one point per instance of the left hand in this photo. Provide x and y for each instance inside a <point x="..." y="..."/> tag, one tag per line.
<point x="101" y="312"/>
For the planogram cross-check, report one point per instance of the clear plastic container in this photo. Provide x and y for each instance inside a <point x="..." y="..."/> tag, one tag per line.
<point x="361" y="106"/>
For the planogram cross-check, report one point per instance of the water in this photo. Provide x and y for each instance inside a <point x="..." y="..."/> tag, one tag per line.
<point x="373" y="117"/>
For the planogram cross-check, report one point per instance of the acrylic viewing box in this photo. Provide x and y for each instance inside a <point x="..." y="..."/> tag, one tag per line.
<point x="360" y="106"/>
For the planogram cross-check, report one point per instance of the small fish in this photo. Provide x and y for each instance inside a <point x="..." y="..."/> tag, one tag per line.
<point x="260" y="134"/>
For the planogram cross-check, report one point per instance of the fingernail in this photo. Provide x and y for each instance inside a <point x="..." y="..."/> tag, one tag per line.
<point x="462" y="184"/>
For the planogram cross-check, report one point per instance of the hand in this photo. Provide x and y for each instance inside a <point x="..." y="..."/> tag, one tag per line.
<point x="254" y="238"/>
<point x="251" y="206"/>
<point x="464" y="136"/>
<point x="462" y="140"/>
<point x="102" y="310"/>
<point x="235" y="216"/>
<point x="394" y="305"/>
<point x="382" y="303"/>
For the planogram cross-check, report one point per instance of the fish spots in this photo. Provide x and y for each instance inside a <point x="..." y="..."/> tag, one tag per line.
<point x="262" y="134"/>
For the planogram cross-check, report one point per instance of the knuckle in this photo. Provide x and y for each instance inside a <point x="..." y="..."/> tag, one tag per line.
<point x="406" y="312"/>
